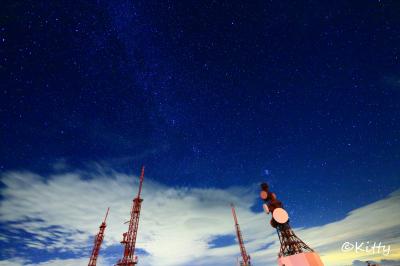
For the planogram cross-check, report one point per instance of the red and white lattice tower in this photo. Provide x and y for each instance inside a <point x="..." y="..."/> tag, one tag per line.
<point x="129" y="238"/>
<point x="245" y="257"/>
<point x="97" y="242"/>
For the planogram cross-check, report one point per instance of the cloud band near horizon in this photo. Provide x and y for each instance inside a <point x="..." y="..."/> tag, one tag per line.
<point x="57" y="216"/>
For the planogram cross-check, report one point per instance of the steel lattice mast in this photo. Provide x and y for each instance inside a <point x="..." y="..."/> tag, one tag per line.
<point x="293" y="250"/>
<point x="290" y="243"/>
<point x="97" y="242"/>
<point x="245" y="257"/>
<point x="129" y="238"/>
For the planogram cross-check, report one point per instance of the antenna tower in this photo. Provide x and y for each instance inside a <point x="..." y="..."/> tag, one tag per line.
<point x="129" y="238"/>
<point x="97" y="242"/>
<point x="245" y="257"/>
<point x="293" y="250"/>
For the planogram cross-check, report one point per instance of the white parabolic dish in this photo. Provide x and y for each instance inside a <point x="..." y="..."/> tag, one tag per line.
<point x="280" y="215"/>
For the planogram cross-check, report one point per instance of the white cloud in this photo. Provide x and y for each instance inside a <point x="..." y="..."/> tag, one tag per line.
<point x="14" y="262"/>
<point x="52" y="262"/>
<point x="64" y="210"/>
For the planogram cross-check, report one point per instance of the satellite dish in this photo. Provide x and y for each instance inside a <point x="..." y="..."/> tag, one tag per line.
<point x="280" y="215"/>
<point x="266" y="209"/>
<point x="263" y="195"/>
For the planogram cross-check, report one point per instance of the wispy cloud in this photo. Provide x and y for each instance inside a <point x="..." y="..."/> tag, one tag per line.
<point x="62" y="212"/>
<point x="52" y="262"/>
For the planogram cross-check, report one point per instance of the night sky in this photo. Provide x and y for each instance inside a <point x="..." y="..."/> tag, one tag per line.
<point x="302" y="94"/>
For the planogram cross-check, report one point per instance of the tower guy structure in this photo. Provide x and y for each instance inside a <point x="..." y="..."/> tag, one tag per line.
<point x="245" y="257"/>
<point x="293" y="251"/>
<point x="129" y="238"/>
<point x="97" y="242"/>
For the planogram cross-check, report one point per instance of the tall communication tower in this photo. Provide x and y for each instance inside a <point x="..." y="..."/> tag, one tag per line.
<point x="245" y="257"/>
<point x="97" y="242"/>
<point x="129" y="238"/>
<point x="293" y="250"/>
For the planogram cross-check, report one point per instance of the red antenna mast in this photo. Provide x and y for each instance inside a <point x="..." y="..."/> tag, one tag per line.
<point x="97" y="242"/>
<point x="129" y="238"/>
<point x="245" y="257"/>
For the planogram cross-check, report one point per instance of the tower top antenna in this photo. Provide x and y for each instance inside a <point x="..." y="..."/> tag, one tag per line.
<point x="105" y="218"/>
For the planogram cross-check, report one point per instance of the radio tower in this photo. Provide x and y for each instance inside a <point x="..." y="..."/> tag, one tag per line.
<point x="97" y="242"/>
<point x="293" y="250"/>
<point x="129" y="238"/>
<point x="245" y="258"/>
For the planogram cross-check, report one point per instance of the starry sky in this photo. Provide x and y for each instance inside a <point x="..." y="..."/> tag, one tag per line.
<point x="209" y="94"/>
